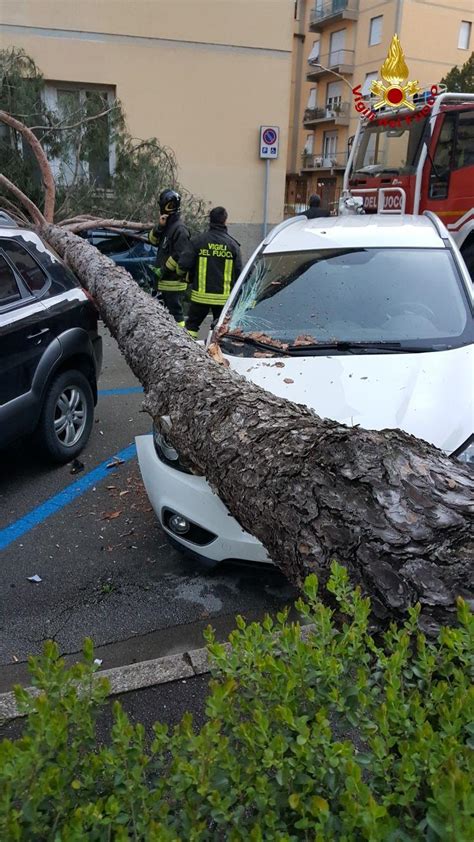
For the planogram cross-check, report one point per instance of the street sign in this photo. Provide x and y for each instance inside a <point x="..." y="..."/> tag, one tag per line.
<point x="269" y="141"/>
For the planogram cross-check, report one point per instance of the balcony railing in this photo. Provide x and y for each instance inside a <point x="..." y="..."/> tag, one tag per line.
<point x="340" y="60"/>
<point x="334" y="161"/>
<point x="328" y="11"/>
<point x="338" y="113"/>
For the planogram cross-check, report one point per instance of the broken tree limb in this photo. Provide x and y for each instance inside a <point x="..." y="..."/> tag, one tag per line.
<point x="395" y="510"/>
<point x="30" y="206"/>
<point x="43" y="163"/>
<point x="94" y="222"/>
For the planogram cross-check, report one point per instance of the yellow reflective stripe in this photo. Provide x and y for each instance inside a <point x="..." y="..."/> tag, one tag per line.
<point x="171" y="263"/>
<point x="229" y="264"/>
<point x="208" y="297"/>
<point x="202" y="274"/>
<point x="181" y="272"/>
<point x="171" y="286"/>
<point x="153" y="240"/>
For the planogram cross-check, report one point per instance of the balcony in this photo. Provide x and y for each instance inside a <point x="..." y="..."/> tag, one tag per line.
<point x="338" y="114"/>
<point x="334" y="161"/>
<point x="341" y="61"/>
<point x="332" y="11"/>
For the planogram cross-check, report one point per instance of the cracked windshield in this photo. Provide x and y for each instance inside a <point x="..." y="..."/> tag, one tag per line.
<point x="367" y="296"/>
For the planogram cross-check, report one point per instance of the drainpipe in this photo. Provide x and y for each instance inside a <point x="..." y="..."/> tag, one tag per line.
<point x="398" y="17"/>
<point x="300" y="37"/>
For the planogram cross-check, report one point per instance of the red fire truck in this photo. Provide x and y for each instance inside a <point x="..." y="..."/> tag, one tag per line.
<point x="408" y="162"/>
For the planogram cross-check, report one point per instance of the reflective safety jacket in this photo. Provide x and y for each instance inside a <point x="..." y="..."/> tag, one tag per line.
<point x="214" y="263"/>
<point x="172" y="241"/>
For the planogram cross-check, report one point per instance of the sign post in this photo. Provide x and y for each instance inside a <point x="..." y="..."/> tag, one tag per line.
<point x="269" y="144"/>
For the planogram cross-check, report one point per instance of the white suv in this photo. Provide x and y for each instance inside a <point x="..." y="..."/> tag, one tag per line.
<point x="366" y="319"/>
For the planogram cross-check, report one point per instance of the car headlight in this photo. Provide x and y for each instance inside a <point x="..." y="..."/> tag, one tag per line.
<point x="165" y="451"/>
<point x="465" y="453"/>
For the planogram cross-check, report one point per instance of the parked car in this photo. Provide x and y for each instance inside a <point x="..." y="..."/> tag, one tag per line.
<point x="376" y="313"/>
<point x="50" y="349"/>
<point x="125" y="249"/>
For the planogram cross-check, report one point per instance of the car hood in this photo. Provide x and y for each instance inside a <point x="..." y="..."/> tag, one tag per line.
<point x="429" y="395"/>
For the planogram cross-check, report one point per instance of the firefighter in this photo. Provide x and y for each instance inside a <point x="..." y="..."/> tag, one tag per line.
<point x="214" y="263"/>
<point x="172" y="238"/>
<point x="314" y="211"/>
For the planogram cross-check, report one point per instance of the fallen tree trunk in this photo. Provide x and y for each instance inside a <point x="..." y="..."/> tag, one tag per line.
<point x="392" y="508"/>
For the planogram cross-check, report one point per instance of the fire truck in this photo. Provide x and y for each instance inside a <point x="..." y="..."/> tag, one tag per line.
<point x="404" y="161"/>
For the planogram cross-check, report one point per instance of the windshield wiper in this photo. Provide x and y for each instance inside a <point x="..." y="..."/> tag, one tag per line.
<point x="377" y="171"/>
<point x="343" y="346"/>
<point x="354" y="347"/>
<point x="257" y="343"/>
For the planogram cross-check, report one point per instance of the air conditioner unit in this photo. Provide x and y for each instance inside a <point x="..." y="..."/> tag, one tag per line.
<point x="318" y="162"/>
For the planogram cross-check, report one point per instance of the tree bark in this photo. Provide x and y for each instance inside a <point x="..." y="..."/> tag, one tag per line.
<point x="392" y="508"/>
<point x="96" y="222"/>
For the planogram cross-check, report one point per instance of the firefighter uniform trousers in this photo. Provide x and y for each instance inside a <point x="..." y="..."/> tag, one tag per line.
<point x="214" y="263"/>
<point x="171" y="283"/>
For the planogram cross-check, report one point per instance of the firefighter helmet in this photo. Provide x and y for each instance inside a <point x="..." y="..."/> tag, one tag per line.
<point x="170" y="201"/>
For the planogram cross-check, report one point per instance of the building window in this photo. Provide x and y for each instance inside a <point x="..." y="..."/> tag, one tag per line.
<point x="336" y="47"/>
<point x="368" y="79"/>
<point x="329" y="149"/>
<point x="334" y="96"/>
<point x="311" y="99"/>
<point x="309" y="145"/>
<point x="464" y="35"/>
<point x="375" y="34"/>
<point x="313" y="57"/>
<point x="90" y="156"/>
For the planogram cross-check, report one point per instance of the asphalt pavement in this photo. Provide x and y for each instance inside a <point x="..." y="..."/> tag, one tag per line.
<point x="106" y="568"/>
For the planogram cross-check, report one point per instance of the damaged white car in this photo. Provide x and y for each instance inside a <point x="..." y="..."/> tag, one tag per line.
<point x="371" y="320"/>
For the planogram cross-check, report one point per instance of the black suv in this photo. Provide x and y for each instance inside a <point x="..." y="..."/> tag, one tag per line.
<point x="50" y="350"/>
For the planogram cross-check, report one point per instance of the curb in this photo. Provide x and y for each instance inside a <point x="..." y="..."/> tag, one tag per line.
<point x="131" y="677"/>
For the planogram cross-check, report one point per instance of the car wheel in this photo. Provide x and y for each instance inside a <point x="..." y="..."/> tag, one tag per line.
<point x="66" y="419"/>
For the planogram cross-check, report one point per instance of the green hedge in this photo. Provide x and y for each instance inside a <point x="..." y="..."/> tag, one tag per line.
<point x="335" y="737"/>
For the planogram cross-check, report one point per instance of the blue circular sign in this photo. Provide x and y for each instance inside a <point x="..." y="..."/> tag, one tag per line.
<point x="269" y="136"/>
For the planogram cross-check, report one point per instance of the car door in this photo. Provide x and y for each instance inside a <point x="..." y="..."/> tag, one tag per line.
<point x="49" y="281"/>
<point x="24" y="339"/>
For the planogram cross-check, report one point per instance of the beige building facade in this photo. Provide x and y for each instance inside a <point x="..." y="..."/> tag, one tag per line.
<point x="339" y="44"/>
<point x="200" y="75"/>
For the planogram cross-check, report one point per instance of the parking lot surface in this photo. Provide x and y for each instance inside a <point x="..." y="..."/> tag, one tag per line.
<point x="106" y="568"/>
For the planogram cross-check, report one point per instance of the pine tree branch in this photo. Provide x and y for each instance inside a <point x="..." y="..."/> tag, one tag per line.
<point x="13" y="210"/>
<point x="76" y="227"/>
<point x="34" y="212"/>
<point x="58" y="128"/>
<point x="43" y="163"/>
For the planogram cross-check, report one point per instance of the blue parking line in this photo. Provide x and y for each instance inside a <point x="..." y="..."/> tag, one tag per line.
<point x="67" y="495"/>
<point x="132" y="390"/>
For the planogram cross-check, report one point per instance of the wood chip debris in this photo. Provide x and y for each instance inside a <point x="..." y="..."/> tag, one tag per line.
<point x="114" y="462"/>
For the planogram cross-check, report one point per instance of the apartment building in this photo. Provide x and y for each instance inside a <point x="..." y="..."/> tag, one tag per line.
<point x="200" y="75"/>
<point x="339" y="44"/>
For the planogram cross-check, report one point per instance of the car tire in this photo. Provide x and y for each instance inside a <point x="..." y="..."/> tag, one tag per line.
<point x="67" y="416"/>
